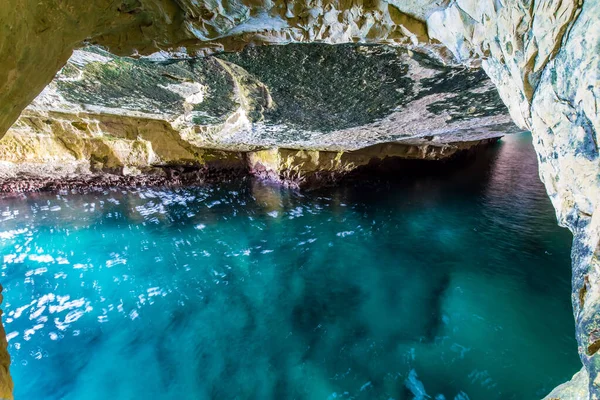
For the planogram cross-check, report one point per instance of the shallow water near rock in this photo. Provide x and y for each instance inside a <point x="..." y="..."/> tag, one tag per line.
<point x="442" y="286"/>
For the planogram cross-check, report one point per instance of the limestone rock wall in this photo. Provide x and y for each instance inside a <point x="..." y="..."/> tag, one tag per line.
<point x="544" y="58"/>
<point x="6" y="384"/>
<point x="308" y="96"/>
<point x="38" y="37"/>
<point x="56" y="145"/>
<point x="576" y="389"/>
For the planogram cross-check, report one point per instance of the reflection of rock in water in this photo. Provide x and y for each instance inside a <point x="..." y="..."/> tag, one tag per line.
<point x="267" y="196"/>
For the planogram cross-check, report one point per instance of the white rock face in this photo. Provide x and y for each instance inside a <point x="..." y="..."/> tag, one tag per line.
<point x="544" y="58"/>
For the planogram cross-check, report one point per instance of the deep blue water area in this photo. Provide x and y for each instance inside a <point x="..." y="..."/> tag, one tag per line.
<point x="443" y="286"/>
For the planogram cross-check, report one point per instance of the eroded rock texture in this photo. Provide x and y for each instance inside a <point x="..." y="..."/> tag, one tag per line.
<point x="109" y="114"/>
<point x="575" y="389"/>
<point x="6" y="385"/>
<point x="543" y="57"/>
<point x="541" y="54"/>
<point x="38" y="37"/>
<point x="315" y="168"/>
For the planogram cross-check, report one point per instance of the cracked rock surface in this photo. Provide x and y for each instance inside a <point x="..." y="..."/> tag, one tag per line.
<point x="120" y="115"/>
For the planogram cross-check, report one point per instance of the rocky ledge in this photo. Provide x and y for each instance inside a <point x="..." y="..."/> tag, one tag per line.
<point x="307" y="169"/>
<point x="302" y="115"/>
<point x="298" y="169"/>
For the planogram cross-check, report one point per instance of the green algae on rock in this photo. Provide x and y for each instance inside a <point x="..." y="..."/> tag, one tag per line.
<point x="38" y="38"/>
<point x="306" y="96"/>
<point x="352" y="86"/>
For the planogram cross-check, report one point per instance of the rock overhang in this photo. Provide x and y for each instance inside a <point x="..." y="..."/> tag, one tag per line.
<point x="108" y="114"/>
<point x="309" y="96"/>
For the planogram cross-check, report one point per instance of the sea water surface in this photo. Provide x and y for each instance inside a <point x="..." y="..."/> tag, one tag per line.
<point x="446" y="286"/>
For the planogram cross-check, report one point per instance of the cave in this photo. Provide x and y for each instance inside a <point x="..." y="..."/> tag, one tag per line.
<point x="306" y="95"/>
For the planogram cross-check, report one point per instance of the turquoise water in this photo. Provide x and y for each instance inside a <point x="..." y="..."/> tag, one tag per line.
<point x="455" y="286"/>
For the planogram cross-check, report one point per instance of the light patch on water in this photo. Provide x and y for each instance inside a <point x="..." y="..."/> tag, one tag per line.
<point x="12" y="233"/>
<point x="345" y="233"/>
<point x="41" y="258"/>
<point x="116" y="259"/>
<point x="14" y="258"/>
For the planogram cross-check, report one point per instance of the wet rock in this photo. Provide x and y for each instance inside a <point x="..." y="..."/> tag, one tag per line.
<point x="307" y="169"/>
<point x="163" y="176"/>
<point x="6" y="384"/>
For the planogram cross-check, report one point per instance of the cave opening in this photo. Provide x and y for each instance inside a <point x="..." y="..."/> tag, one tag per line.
<point x="409" y="89"/>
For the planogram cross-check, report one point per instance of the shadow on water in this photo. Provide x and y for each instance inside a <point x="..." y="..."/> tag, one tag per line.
<point x="468" y="172"/>
<point x="444" y="282"/>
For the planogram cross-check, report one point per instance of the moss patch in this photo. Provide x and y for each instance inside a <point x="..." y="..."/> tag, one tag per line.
<point x="142" y="85"/>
